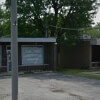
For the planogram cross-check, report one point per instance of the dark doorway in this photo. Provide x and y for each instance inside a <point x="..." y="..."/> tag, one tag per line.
<point x="96" y="53"/>
<point x="95" y="56"/>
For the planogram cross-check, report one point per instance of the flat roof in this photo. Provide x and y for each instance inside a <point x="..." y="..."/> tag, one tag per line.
<point x="47" y="40"/>
<point x="50" y="39"/>
<point x="95" y="41"/>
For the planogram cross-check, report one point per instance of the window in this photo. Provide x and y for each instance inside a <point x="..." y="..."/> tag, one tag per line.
<point x="32" y="55"/>
<point x="8" y="47"/>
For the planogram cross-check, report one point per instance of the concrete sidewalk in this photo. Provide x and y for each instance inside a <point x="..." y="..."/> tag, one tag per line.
<point x="51" y="86"/>
<point x="93" y="73"/>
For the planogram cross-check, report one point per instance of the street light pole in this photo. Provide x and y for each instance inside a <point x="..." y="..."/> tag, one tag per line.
<point x="14" y="50"/>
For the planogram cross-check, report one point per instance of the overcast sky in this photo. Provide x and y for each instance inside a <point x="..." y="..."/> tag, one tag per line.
<point x="97" y="19"/>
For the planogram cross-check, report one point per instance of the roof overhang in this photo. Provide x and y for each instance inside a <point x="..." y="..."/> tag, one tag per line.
<point x="46" y="40"/>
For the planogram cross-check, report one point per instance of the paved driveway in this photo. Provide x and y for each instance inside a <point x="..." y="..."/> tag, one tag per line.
<point x="51" y="86"/>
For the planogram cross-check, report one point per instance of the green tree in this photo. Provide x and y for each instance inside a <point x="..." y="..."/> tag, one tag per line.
<point x="1" y="15"/>
<point x="98" y="26"/>
<point x="94" y="32"/>
<point x="34" y="14"/>
<point x="4" y="22"/>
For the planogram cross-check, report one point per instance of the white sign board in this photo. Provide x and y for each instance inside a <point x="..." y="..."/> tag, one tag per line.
<point x="32" y="55"/>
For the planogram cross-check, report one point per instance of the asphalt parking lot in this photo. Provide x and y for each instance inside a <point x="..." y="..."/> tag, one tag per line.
<point x="51" y="86"/>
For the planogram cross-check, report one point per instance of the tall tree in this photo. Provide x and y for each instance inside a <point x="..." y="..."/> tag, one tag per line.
<point x="98" y="26"/>
<point x="4" y="22"/>
<point x="34" y="14"/>
<point x="1" y="18"/>
<point x="94" y="32"/>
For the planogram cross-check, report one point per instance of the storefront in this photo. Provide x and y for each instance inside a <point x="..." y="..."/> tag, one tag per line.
<point x="84" y="55"/>
<point x="33" y="54"/>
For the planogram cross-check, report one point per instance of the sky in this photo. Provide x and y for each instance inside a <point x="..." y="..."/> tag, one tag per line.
<point x="2" y="1"/>
<point x="96" y="19"/>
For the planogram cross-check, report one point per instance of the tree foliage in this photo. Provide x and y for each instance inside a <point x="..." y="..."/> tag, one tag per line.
<point x="4" y="22"/>
<point x="34" y="14"/>
<point x="94" y="32"/>
<point x="98" y="26"/>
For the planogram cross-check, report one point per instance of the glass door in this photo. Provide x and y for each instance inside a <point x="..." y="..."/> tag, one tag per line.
<point x="9" y="61"/>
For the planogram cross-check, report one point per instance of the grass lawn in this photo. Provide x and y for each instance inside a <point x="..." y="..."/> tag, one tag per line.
<point x="79" y="72"/>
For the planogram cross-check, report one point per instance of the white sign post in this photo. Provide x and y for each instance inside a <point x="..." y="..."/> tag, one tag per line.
<point x="14" y="50"/>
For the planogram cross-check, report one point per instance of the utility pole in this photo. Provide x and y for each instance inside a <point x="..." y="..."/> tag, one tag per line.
<point x="14" y="50"/>
<point x="55" y="56"/>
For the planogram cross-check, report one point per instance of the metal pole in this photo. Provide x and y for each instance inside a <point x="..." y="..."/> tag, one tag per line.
<point x="55" y="56"/>
<point x="14" y="50"/>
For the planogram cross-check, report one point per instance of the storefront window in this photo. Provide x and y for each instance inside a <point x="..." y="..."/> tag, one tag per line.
<point x="32" y="55"/>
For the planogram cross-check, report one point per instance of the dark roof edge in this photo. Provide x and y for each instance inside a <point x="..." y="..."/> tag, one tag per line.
<point x="51" y="39"/>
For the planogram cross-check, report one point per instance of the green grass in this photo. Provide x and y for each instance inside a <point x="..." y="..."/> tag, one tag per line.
<point x="78" y="72"/>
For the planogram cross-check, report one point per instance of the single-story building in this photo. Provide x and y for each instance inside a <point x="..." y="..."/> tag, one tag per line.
<point x="41" y="54"/>
<point x="86" y="54"/>
<point x="33" y="54"/>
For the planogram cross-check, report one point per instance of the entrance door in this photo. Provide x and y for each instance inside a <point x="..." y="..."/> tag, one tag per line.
<point x="9" y="61"/>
